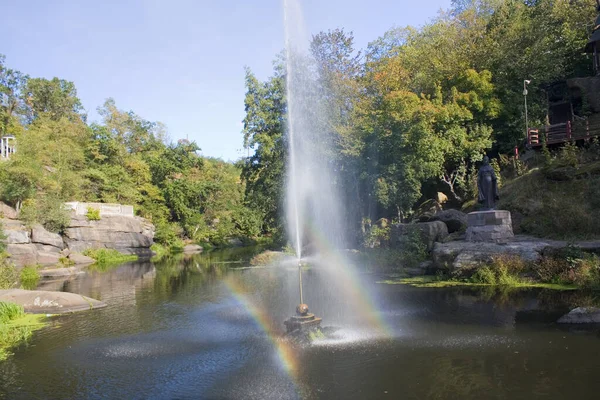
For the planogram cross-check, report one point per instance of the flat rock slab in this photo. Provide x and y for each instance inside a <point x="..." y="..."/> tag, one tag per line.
<point x="47" y="302"/>
<point x="58" y="273"/>
<point x="581" y="315"/>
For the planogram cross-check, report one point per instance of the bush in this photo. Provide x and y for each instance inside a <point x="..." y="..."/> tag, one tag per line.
<point x="15" y="327"/>
<point x="484" y="275"/>
<point x="159" y="250"/>
<point x="29" y="277"/>
<point x="9" y="276"/>
<point x="503" y="270"/>
<point x="377" y="236"/>
<point x="414" y="248"/>
<point x="92" y="214"/>
<point x="48" y="210"/>
<point x="108" y="257"/>
<point x="168" y="234"/>
<point x="9" y="312"/>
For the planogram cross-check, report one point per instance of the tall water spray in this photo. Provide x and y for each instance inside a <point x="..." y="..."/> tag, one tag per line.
<point x="313" y="205"/>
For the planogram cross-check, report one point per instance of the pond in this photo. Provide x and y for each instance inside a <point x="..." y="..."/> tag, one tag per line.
<point x="208" y="327"/>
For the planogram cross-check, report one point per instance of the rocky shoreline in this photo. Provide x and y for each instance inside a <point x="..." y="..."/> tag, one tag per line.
<point x="38" y="246"/>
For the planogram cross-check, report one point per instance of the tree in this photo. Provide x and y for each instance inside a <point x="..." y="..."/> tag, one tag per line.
<point x="263" y="172"/>
<point x="12" y="86"/>
<point x="55" y="99"/>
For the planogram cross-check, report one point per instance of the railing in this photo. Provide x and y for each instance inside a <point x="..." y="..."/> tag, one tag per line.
<point x="561" y="133"/>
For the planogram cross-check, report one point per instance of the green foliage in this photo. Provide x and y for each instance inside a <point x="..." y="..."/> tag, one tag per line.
<point x="503" y="270"/>
<point x="159" y="250"/>
<point x="92" y="214"/>
<point x="570" y="266"/>
<point x="2" y="241"/>
<point x="555" y="202"/>
<point x="414" y="248"/>
<point x="122" y="159"/>
<point x="9" y="312"/>
<point x="168" y="234"/>
<point x="29" y="277"/>
<point x="496" y="165"/>
<point x="48" y="211"/>
<point x="377" y="235"/>
<point x="16" y="327"/>
<point x="106" y="258"/>
<point x="9" y="276"/>
<point x="263" y="171"/>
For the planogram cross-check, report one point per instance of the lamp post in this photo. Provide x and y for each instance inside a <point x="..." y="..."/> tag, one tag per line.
<point x="525" y="83"/>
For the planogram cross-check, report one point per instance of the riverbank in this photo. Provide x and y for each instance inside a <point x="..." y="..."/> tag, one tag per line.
<point x="16" y="327"/>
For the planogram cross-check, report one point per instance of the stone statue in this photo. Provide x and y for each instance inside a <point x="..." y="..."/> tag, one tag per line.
<point x="487" y="185"/>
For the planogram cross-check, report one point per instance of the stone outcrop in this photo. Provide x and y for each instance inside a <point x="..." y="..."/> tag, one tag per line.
<point x="455" y="220"/>
<point x="431" y="232"/>
<point x="80" y="259"/>
<point x="581" y="315"/>
<point x="129" y="235"/>
<point x="45" y="302"/>
<point x="40" y="235"/>
<point x="7" y="211"/>
<point x="459" y="254"/>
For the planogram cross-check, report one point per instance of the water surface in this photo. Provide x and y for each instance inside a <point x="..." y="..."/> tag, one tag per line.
<point x="207" y="327"/>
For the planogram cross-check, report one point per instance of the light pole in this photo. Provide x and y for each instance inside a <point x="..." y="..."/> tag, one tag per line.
<point x="525" y="83"/>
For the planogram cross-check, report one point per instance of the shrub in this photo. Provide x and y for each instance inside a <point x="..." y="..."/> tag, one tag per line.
<point x="92" y="214"/>
<point x="377" y="236"/>
<point x="484" y="275"/>
<point x="49" y="211"/>
<point x="9" y="276"/>
<point x="15" y="327"/>
<point x="414" y="248"/>
<point x="9" y="312"/>
<point x="29" y="277"/>
<point x="503" y="270"/>
<point x="2" y="239"/>
<point x="168" y="234"/>
<point x="108" y="257"/>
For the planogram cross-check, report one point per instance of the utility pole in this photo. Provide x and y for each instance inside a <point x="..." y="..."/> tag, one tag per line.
<point x="525" y="83"/>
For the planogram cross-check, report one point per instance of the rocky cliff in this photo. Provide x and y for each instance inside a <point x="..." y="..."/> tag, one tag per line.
<point x="130" y="235"/>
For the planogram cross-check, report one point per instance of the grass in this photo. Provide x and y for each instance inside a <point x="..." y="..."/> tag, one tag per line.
<point x="106" y="258"/>
<point x="545" y="206"/>
<point x="433" y="281"/>
<point x="30" y="277"/>
<point x="9" y="276"/>
<point x="16" y="327"/>
<point x="160" y="251"/>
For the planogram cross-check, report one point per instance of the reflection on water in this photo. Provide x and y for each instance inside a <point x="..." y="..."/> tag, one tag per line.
<point x="205" y="326"/>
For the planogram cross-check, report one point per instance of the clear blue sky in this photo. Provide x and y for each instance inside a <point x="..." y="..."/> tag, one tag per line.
<point x="180" y="62"/>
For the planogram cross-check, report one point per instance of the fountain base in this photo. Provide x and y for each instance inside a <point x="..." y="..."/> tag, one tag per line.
<point x="302" y="321"/>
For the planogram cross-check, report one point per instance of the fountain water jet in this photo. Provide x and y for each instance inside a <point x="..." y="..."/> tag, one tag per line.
<point x="311" y="201"/>
<point x="314" y="207"/>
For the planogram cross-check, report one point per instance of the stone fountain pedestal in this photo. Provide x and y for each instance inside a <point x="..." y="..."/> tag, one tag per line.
<point x="302" y="321"/>
<point x="489" y="226"/>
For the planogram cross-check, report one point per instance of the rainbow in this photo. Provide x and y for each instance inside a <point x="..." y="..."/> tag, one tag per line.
<point x="285" y="352"/>
<point x="355" y="293"/>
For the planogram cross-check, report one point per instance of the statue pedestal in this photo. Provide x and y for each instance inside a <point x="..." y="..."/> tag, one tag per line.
<point x="489" y="226"/>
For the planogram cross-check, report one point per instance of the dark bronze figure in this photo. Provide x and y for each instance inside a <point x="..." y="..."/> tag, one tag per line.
<point x="487" y="185"/>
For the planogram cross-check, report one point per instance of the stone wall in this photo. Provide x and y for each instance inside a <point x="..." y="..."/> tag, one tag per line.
<point x="130" y="235"/>
<point x="106" y="209"/>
